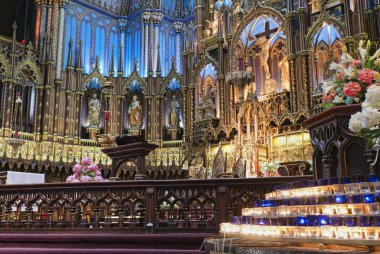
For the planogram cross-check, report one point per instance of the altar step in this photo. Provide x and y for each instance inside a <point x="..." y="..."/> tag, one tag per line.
<point x="100" y="242"/>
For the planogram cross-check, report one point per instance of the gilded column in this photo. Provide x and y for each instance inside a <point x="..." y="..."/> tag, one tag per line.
<point x="199" y="19"/>
<point x="49" y="8"/>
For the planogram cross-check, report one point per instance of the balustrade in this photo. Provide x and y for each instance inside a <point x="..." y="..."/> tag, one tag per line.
<point x="131" y="204"/>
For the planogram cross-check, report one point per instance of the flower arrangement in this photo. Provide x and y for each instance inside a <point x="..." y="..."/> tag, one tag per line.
<point x="270" y="168"/>
<point x="86" y="171"/>
<point x="366" y="123"/>
<point x="352" y="77"/>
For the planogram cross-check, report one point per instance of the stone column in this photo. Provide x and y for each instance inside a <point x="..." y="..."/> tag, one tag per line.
<point x="178" y="29"/>
<point x="302" y="22"/>
<point x="199" y="19"/>
<point x="157" y="17"/>
<point x="144" y="64"/>
<point x="361" y="19"/>
<point x="60" y="47"/>
<point x="122" y="25"/>
<point x="42" y="28"/>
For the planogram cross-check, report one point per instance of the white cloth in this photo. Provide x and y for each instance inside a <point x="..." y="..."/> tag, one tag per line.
<point x="24" y="178"/>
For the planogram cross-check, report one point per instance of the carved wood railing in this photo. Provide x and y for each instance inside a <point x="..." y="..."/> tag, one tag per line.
<point x="162" y="204"/>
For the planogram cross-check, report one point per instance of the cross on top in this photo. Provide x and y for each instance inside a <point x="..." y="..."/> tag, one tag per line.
<point x="267" y="32"/>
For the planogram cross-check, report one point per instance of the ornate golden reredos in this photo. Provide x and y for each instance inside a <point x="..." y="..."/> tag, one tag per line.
<point x="173" y="74"/>
<point x="27" y="69"/>
<point x="255" y="13"/>
<point x="134" y="76"/>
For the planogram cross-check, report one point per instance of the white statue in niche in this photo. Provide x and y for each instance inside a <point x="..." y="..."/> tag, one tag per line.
<point x="94" y="106"/>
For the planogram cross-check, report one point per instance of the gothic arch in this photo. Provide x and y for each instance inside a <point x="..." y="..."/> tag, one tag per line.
<point x="173" y="74"/>
<point x="319" y="24"/>
<point x="255" y="13"/>
<point x="204" y="61"/>
<point x="94" y="74"/>
<point x="29" y="68"/>
<point x="5" y="67"/>
<point x="134" y="76"/>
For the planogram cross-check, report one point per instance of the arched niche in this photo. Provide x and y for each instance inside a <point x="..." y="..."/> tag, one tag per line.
<point x="206" y="92"/>
<point x="261" y="49"/>
<point x="134" y="102"/>
<point x="173" y="109"/>
<point x="326" y="47"/>
<point x="92" y="105"/>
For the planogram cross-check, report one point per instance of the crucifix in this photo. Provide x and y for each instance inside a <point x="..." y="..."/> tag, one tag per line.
<point x="265" y="40"/>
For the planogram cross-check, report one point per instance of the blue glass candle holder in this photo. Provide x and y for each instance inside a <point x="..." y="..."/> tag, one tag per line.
<point x="365" y="221"/>
<point x="349" y="221"/>
<point x="340" y="199"/>
<point x="376" y="220"/>
<point x="301" y="221"/>
<point x="236" y="220"/>
<point x="345" y="180"/>
<point x="335" y="220"/>
<point x="312" y="220"/>
<point x="285" y="202"/>
<point x="368" y="198"/>
<point x="358" y="178"/>
<point x="353" y="199"/>
<point x="322" y="182"/>
<point x="312" y="200"/>
<point x="323" y="220"/>
<point x="312" y="183"/>
<point x="262" y="221"/>
<point x="372" y="178"/>
<point x="332" y="180"/>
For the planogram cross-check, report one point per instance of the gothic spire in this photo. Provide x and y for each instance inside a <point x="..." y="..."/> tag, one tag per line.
<point x="150" y="65"/>
<point x="79" y="61"/>
<point x="158" y="68"/>
<point x="120" y="70"/>
<point x="70" y="55"/>
<point x="111" y="71"/>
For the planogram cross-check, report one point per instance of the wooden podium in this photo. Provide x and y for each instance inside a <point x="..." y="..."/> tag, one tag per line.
<point x="134" y="152"/>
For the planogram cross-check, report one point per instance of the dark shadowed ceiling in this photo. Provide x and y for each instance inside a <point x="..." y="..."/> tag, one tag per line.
<point x="19" y="11"/>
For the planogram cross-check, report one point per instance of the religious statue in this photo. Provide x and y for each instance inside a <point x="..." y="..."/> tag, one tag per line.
<point x="135" y="112"/>
<point x="174" y="112"/>
<point x="208" y="104"/>
<point x="283" y="65"/>
<point x="265" y="51"/>
<point x="196" y="168"/>
<point x="94" y="111"/>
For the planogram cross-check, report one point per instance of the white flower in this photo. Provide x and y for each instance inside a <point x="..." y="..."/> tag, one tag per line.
<point x="376" y="55"/>
<point x="338" y="99"/>
<point x="336" y="66"/>
<point x="355" y="124"/>
<point x="346" y="58"/>
<point x="371" y="118"/>
<point x="362" y="51"/>
<point x="372" y="97"/>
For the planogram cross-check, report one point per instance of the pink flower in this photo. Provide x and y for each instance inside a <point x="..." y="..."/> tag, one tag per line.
<point x="355" y="63"/>
<point x="70" y="179"/>
<point x="340" y="76"/>
<point x="92" y="167"/>
<point x="98" y="173"/>
<point x="86" y="161"/>
<point x="86" y="179"/>
<point x="366" y="76"/>
<point x="352" y="89"/>
<point x="77" y="167"/>
<point x="99" y="179"/>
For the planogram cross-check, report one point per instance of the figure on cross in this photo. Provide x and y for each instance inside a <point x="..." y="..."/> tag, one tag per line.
<point x="265" y="40"/>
